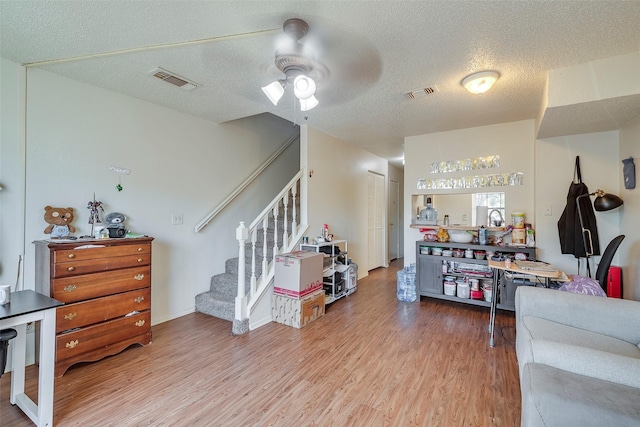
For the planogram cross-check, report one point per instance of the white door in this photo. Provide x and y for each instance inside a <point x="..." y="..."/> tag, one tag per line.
<point x="394" y="218"/>
<point x="375" y="223"/>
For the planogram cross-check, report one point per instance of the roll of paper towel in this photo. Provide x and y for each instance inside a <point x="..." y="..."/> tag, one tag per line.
<point x="482" y="214"/>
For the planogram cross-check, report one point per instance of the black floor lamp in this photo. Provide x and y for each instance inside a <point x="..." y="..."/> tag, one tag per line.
<point x="603" y="202"/>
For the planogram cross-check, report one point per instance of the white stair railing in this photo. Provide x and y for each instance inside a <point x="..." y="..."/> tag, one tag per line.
<point x="282" y="243"/>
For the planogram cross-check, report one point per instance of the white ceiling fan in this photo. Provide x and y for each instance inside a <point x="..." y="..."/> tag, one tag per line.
<point x="300" y="68"/>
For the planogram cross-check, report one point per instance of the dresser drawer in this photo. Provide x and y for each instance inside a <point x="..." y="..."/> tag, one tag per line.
<point x="96" y="251"/>
<point x="86" y="286"/>
<point x="98" y="310"/>
<point x="100" y="336"/>
<point x="76" y="267"/>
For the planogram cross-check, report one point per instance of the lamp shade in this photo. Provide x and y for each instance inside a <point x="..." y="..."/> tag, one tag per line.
<point x="274" y="91"/>
<point x="309" y="103"/>
<point x="606" y="202"/>
<point x="480" y="82"/>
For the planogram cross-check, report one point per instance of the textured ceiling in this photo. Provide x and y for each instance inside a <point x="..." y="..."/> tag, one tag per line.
<point x="374" y="52"/>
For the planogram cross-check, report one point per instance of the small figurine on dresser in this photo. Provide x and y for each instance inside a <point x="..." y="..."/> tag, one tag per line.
<point x="59" y="220"/>
<point x="94" y="206"/>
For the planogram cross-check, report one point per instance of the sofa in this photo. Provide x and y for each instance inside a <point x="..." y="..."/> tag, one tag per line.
<point x="578" y="357"/>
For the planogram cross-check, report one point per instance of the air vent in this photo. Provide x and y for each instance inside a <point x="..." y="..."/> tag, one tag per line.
<point x="421" y="93"/>
<point x="174" y="79"/>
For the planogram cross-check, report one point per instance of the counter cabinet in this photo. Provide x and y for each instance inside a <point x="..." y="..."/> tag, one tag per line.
<point x="430" y="273"/>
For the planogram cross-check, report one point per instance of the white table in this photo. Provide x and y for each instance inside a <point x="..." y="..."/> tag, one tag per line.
<point x="499" y="268"/>
<point x="26" y="307"/>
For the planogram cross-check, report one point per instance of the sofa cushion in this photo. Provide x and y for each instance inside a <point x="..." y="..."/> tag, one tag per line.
<point x="542" y="329"/>
<point x="587" y="361"/>
<point x="553" y="397"/>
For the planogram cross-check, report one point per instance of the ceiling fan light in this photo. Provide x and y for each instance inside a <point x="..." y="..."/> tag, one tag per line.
<point x="274" y="91"/>
<point x="480" y="82"/>
<point x="309" y="103"/>
<point x="304" y="87"/>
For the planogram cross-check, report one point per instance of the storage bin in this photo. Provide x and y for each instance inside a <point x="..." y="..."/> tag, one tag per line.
<point x="449" y="288"/>
<point x="462" y="290"/>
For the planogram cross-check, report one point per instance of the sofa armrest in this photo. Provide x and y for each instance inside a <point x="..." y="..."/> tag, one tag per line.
<point x="608" y="316"/>
<point x="586" y="361"/>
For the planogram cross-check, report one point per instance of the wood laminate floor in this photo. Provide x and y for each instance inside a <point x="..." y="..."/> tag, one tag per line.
<point x="370" y="361"/>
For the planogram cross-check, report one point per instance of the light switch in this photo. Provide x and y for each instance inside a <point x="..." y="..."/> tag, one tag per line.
<point x="548" y="210"/>
<point x="177" y="219"/>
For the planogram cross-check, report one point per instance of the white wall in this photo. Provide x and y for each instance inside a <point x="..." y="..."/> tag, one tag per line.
<point x="555" y="159"/>
<point x="513" y="142"/>
<point x="630" y="248"/>
<point x="179" y="164"/>
<point x="11" y="170"/>
<point x="338" y="190"/>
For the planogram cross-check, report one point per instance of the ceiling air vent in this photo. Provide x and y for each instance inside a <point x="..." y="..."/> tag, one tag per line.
<point x="173" y="78"/>
<point x="421" y="93"/>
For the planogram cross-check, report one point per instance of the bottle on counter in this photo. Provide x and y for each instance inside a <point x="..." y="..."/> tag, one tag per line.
<point x="446" y="220"/>
<point x="429" y="214"/>
<point x="482" y="235"/>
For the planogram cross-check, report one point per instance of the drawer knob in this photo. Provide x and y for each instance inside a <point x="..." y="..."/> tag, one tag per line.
<point x="70" y="288"/>
<point x="138" y="299"/>
<point x="72" y="256"/>
<point x="139" y="276"/>
<point x="139" y="249"/>
<point x="139" y="323"/>
<point x="71" y="344"/>
<point x="71" y="268"/>
<point x="70" y="316"/>
<point x="139" y="259"/>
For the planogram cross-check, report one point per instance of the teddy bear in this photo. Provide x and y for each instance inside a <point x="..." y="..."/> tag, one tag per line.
<point x="59" y="220"/>
<point x="115" y="227"/>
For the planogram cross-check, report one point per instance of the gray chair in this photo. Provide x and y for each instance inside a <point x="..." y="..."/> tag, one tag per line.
<point x="6" y="335"/>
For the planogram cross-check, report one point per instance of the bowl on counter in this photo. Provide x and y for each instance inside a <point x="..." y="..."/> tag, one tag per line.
<point x="480" y="254"/>
<point x="460" y="236"/>
<point x="458" y="253"/>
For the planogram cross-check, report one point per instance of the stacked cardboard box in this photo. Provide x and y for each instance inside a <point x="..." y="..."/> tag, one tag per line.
<point x="298" y="298"/>
<point x="298" y="312"/>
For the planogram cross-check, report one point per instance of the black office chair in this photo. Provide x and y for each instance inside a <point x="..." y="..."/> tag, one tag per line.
<point x="605" y="261"/>
<point x="6" y="335"/>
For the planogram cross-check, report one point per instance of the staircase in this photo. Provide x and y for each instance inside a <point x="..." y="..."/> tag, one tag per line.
<point x="220" y="300"/>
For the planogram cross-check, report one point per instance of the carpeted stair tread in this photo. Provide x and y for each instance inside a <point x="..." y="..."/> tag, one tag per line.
<point x="219" y="301"/>
<point x="217" y="304"/>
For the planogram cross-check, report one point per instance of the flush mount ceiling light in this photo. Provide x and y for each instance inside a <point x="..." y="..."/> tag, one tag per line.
<point x="480" y="82"/>
<point x="297" y="67"/>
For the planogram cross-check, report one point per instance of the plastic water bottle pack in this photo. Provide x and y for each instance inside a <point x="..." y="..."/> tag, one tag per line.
<point x="407" y="284"/>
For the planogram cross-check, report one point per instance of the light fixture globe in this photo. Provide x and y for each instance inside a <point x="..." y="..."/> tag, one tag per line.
<point x="308" y="103"/>
<point x="481" y="82"/>
<point x="304" y="87"/>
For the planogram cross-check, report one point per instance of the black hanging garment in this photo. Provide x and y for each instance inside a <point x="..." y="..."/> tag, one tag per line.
<point x="569" y="224"/>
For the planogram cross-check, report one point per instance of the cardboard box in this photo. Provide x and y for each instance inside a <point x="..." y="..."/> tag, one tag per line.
<point x="298" y="274"/>
<point x="298" y="312"/>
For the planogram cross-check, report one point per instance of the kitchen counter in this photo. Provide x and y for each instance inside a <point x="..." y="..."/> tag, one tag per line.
<point x="455" y="227"/>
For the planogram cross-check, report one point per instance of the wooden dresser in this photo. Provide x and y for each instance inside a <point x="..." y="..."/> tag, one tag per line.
<point x="106" y="287"/>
